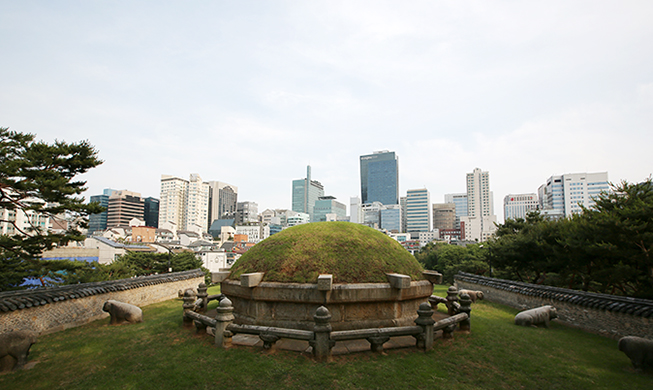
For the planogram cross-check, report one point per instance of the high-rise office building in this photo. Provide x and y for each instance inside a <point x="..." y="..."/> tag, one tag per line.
<point x="460" y="200"/>
<point x="379" y="178"/>
<point x="246" y="212"/>
<point x="223" y="199"/>
<point x="123" y="207"/>
<point x="151" y="211"/>
<point x="418" y="211"/>
<point x="444" y="216"/>
<point x="328" y="205"/>
<point x="480" y="220"/>
<point x="562" y="196"/>
<point x="390" y="216"/>
<point x="518" y="205"/>
<point x="98" y="222"/>
<point x="305" y="192"/>
<point x="184" y="202"/>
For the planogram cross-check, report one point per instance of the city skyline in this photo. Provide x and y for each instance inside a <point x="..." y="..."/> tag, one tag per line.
<point x="251" y="93"/>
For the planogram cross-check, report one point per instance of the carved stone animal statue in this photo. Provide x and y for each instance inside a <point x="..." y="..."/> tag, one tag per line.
<point x="639" y="350"/>
<point x="473" y="295"/>
<point x="537" y="316"/>
<point x="122" y="312"/>
<point x="16" y="344"/>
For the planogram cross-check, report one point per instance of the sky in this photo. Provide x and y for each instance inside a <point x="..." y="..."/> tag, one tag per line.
<point x="251" y="92"/>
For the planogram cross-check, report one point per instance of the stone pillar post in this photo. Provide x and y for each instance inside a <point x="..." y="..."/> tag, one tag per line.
<point x="452" y="297"/>
<point x="223" y="318"/>
<point x="322" y="330"/>
<point x="189" y="299"/>
<point x="465" y="307"/>
<point x="425" y="321"/>
<point x="203" y="295"/>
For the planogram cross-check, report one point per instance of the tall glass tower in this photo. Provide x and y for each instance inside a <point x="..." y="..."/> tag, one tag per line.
<point x="380" y="178"/>
<point x="305" y="192"/>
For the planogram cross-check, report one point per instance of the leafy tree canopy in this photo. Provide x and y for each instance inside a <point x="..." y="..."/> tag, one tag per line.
<point x="39" y="177"/>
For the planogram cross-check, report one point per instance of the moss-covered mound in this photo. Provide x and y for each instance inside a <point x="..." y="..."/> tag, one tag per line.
<point x="352" y="253"/>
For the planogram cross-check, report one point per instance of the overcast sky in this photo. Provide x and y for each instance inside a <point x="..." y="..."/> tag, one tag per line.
<point x="250" y="92"/>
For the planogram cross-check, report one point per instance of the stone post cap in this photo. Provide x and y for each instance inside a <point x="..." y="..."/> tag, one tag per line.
<point x="251" y="280"/>
<point x="432" y="276"/>
<point x="217" y="277"/>
<point x="398" y="280"/>
<point x="325" y="282"/>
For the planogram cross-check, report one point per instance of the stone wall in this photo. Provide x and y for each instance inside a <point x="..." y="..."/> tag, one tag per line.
<point x="48" y="310"/>
<point x="608" y="315"/>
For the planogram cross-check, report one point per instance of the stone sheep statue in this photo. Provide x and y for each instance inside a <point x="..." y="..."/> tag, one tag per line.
<point x="123" y="312"/>
<point x="16" y="344"/>
<point x="639" y="350"/>
<point x="473" y="295"/>
<point x="537" y="316"/>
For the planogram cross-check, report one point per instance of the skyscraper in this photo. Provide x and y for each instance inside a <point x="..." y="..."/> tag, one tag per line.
<point x="223" y="199"/>
<point x="184" y="202"/>
<point x="444" y="216"/>
<point x="305" y="192"/>
<point x="379" y="178"/>
<point x="151" y="211"/>
<point x="460" y="200"/>
<point x="123" y="207"/>
<point x="418" y="211"/>
<point x="479" y="223"/>
<point x="98" y="222"/>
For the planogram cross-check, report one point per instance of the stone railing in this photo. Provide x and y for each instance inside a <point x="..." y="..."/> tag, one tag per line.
<point x="322" y="338"/>
<point x="609" y="315"/>
<point x="51" y="309"/>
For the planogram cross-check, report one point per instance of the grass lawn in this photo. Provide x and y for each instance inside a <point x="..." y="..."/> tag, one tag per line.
<point x="160" y="354"/>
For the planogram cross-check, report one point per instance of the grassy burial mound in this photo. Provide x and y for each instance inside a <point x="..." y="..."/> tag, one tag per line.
<point x="352" y="253"/>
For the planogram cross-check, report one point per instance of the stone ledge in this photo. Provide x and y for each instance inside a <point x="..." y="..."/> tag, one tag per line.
<point x="340" y="293"/>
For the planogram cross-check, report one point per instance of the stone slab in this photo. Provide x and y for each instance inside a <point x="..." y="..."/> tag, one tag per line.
<point x="251" y="280"/>
<point x="399" y="281"/>
<point x="218" y="277"/>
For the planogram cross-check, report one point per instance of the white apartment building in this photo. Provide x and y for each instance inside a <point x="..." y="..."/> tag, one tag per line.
<point x="184" y="202"/>
<point x="518" y="205"/>
<point x="20" y="221"/>
<point x="480" y="220"/>
<point x="198" y="202"/>
<point x="563" y="195"/>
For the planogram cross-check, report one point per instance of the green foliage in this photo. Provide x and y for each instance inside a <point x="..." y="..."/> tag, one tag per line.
<point x="451" y="259"/>
<point x="141" y="263"/>
<point x="352" y="253"/>
<point x="36" y="176"/>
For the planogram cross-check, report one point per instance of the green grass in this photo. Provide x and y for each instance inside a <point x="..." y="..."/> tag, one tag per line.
<point x="352" y="253"/>
<point x="160" y="354"/>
